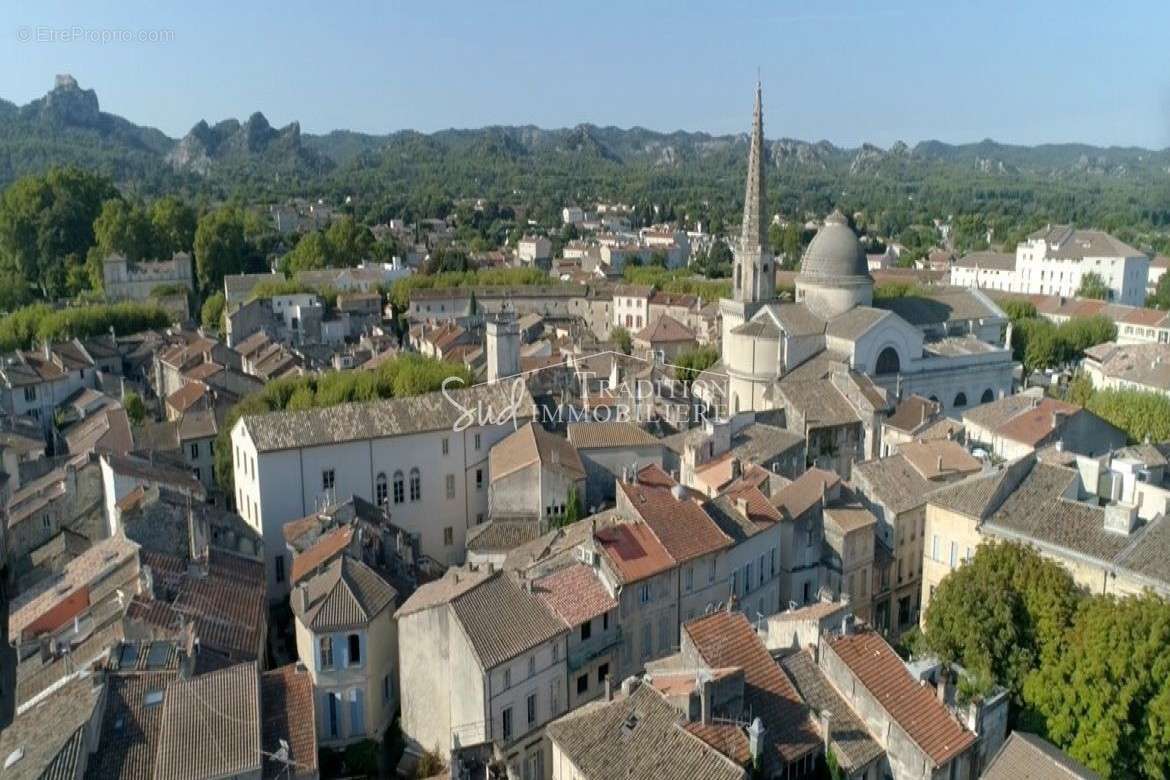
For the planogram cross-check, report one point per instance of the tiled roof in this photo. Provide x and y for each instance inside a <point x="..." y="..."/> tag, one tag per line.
<point x="592" y="435"/>
<point x="211" y="726"/>
<point x="913" y="412"/>
<point x="1032" y="426"/>
<point x="451" y="585"/>
<point x="1145" y="364"/>
<point x="939" y="459"/>
<point x="347" y="594"/>
<point x="914" y="707"/>
<point x="850" y="740"/>
<point x="130" y="728"/>
<point x="993" y="414"/>
<point x="533" y="444"/>
<point x="637" y="738"/>
<point x="820" y="403"/>
<point x="803" y="493"/>
<point x="684" y="529"/>
<point x="328" y="545"/>
<point x="980" y="495"/>
<point x="52" y="733"/>
<point x="634" y="551"/>
<point x="1026" y="756"/>
<point x="391" y="417"/>
<point x="849" y="518"/>
<point x="502" y="535"/>
<point x="503" y="619"/>
<point x="855" y="323"/>
<point x="727" y="639"/>
<point x="893" y="482"/>
<point x="1038" y="510"/>
<point x="286" y="700"/>
<point x="797" y="319"/>
<point x="998" y="261"/>
<point x="665" y="329"/>
<point x="575" y="594"/>
<point x="943" y="304"/>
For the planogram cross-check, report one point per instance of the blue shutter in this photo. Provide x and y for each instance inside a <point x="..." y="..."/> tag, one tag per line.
<point x="357" y="712"/>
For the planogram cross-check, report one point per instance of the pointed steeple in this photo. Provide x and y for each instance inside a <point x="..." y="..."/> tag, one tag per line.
<point x="755" y="225"/>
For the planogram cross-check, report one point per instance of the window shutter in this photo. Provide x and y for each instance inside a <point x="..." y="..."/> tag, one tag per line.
<point x="357" y="712"/>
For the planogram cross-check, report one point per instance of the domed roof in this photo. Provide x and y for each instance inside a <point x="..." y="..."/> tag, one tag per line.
<point x="835" y="252"/>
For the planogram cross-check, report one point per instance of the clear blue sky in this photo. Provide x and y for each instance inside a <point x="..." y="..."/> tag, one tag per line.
<point x="1025" y="71"/>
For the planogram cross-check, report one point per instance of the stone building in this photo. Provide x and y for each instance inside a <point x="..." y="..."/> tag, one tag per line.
<point x="534" y="475"/>
<point x="126" y="280"/>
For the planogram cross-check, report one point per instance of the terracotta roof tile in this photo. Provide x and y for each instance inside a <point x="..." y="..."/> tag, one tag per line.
<point x="329" y="545"/>
<point x="803" y="493"/>
<point x="913" y="706"/>
<point x="575" y="593"/>
<point x="727" y="639"/>
<point x="286" y="698"/>
<point x="685" y="530"/>
<point x="634" y="551"/>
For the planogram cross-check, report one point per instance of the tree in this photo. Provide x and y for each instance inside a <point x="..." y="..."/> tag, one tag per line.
<point x="46" y="228"/>
<point x="689" y="364"/>
<point x="1019" y="310"/>
<point x="1106" y="700"/>
<point x="312" y="252"/>
<point x="621" y="337"/>
<point x="124" y="229"/>
<point x="1144" y="416"/>
<point x="1161" y="297"/>
<point x="1093" y="286"/>
<point x="220" y="247"/>
<point x="572" y="508"/>
<point x="1002" y="613"/>
<point x="212" y="311"/>
<point x="135" y="408"/>
<point x="349" y="242"/>
<point x="174" y="225"/>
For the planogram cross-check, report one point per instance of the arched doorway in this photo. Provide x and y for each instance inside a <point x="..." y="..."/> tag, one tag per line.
<point x="988" y="396"/>
<point x="888" y="361"/>
<point x="960" y="401"/>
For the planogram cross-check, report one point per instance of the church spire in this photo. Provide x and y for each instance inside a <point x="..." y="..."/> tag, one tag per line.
<point x="755" y="225"/>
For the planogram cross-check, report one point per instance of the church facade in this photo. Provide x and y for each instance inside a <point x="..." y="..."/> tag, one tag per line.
<point x="948" y="344"/>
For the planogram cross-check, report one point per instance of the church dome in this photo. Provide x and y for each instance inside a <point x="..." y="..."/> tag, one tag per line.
<point x="835" y="252"/>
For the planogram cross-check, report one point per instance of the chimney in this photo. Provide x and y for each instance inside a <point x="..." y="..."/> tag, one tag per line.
<point x="736" y="468"/>
<point x="630" y="684"/>
<point x="826" y="719"/>
<point x="938" y="464"/>
<point x="301" y="599"/>
<point x="609" y="687"/>
<point x="741" y="504"/>
<point x="756" y="741"/>
<point x="705" y="700"/>
<point x="943" y="689"/>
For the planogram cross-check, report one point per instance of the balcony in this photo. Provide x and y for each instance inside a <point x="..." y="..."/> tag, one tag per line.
<point x="593" y="649"/>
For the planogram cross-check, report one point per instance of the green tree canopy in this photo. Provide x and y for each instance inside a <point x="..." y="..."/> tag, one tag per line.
<point x="621" y="337"/>
<point x="212" y="311"/>
<point x="1161" y="297"/>
<point x="124" y="229"/>
<point x="311" y="253"/>
<point x="46" y="229"/>
<point x="689" y="364"/>
<point x="135" y="408"/>
<point x="1093" y="286"/>
<point x="1106" y="699"/>
<point x="1002" y="613"/>
<point x="174" y="225"/>
<point x="220" y="247"/>
<point x="349" y="242"/>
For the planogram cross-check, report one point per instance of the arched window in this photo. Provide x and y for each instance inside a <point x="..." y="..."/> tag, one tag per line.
<point x="888" y="361"/>
<point x="399" y="488"/>
<point x="415" y="485"/>
<point x="988" y="396"/>
<point x="380" y="488"/>
<point x="960" y="401"/>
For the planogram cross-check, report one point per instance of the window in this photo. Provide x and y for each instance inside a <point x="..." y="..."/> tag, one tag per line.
<point x="381" y="489"/>
<point x="690" y="578"/>
<point x="194" y="450"/>
<point x="30" y="393"/>
<point x="773" y="568"/>
<point x="605" y="622"/>
<point x="507" y="678"/>
<point x="479" y="479"/>
<point x="763" y="565"/>
<point x="198" y="476"/>
<point x="280" y="568"/>
<point x="531" y="708"/>
<point x="954" y="554"/>
<point x="602" y="673"/>
<point x="325" y="650"/>
<point x="647" y="640"/>
<point x="446" y="446"/>
<point x="747" y="578"/>
<point x="556" y="652"/>
<point x="45" y="522"/>
<point x="508" y="723"/>
<point x="582" y="684"/>
<point x="478" y="441"/>
<point x="711" y="572"/>
<point x="399" y="488"/>
<point x="355" y="650"/>
<point x="450" y="486"/>
<point x="386" y="689"/>
<point x="334" y="706"/>
<point x="734" y="582"/>
<point x="586" y="630"/>
<point x="327" y="479"/>
<point x="934" y="548"/>
<point x="531" y="666"/>
<point x="644" y="593"/>
<point x="449" y="536"/>
<point x="415" y="485"/>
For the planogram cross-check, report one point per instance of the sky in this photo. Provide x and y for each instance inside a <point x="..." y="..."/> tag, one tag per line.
<point x="850" y="71"/>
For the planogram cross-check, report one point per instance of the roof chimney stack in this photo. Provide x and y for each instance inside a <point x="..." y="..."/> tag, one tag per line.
<point x="756" y="741"/>
<point x="826" y="719"/>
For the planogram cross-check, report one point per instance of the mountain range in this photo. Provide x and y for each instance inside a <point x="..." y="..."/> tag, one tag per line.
<point x="67" y="126"/>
